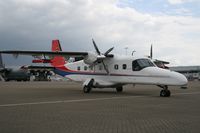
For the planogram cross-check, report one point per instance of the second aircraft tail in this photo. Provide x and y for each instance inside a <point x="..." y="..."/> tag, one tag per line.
<point x="57" y="60"/>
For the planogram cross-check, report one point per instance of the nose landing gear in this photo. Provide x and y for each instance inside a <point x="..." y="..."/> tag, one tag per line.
<point x="165" y="92"/>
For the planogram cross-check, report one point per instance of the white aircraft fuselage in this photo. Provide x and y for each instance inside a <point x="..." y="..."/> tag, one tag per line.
<point x="121" y="71"/>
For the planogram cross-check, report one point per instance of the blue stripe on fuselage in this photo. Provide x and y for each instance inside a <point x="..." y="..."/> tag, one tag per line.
<point x="64" y="73"/>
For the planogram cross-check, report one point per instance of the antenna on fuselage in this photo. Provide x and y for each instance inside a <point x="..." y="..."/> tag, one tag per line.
<point x="133" y="52"/>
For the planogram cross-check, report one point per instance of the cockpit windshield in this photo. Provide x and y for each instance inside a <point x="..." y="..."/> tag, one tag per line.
<point x="139" y="64"/>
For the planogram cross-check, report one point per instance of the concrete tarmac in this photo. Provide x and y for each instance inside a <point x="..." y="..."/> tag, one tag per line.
<point x="62" y="107"/>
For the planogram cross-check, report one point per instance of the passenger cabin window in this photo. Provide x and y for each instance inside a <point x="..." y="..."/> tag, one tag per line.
<point x="91" y="67"/>
<point x="78" y="68"/>
<point x="85" y="68"/>
<point x="124" y="66"/>
<point x="116" y="67"/>
<point x="139" y="64"/>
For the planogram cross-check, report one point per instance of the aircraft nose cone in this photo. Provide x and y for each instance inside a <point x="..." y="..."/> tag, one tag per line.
<point x="181" y="79"/>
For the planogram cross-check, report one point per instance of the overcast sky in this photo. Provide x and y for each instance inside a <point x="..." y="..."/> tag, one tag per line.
<point x="172" y="26"/>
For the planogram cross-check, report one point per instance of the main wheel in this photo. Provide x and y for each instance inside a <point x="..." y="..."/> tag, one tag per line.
<point x="119" y="89"/>
<point x="162" y="93"/>
<point x="165" y="93"/>
<point x="86" y="89"/>
<point x="168" y="93"/>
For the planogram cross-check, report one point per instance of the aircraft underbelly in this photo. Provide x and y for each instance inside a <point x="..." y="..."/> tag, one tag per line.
<point x="111" y="80"/>
<point x="100" y="80"/>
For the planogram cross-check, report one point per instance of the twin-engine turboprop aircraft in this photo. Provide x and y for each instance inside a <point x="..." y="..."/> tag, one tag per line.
<point x="104" y="70"/>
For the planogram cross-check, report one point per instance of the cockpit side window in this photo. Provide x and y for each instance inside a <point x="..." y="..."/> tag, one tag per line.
<point x="139" y="64"/>
<point x="135" y="66"/>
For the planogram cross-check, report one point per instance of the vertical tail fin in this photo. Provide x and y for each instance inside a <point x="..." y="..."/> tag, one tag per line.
<point x="56" y="46"/>
<point x="57" y="60"/>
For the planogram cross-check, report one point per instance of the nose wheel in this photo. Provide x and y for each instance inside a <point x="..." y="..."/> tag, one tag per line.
<point x="165" y="92"/>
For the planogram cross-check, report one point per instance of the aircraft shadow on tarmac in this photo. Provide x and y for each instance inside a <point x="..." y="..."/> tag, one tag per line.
<point x="112" y="92"/>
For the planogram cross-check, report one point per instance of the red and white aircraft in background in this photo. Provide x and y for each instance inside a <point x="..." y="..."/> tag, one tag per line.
<point x="104" y="70"/>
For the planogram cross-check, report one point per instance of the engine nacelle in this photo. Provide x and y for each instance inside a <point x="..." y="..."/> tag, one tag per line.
<point x="90" y="58"/>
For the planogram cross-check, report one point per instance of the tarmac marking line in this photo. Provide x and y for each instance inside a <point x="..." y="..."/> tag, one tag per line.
<point x="186" y="93"/>
<point x="83" y="100"/>
<point x="66" y="101"/>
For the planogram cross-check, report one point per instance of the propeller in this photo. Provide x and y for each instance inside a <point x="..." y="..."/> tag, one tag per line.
<point x="151" y="52"/>
<point x="106" y="54"/>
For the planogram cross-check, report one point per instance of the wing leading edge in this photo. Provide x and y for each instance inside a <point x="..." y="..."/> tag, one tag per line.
<point x="46" y="53"/>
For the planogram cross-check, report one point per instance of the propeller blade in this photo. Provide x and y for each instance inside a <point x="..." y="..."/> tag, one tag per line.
<point x="151" y="52"/>
<point x="104" y="65"/>
<point x="96" y="48"/>
<point x="108" y="51"/>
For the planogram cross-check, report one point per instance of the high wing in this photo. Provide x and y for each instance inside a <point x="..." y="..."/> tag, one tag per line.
<point x="46" y="53"/>
<point x="161" y="64"/>
<point x="161" y="61"/>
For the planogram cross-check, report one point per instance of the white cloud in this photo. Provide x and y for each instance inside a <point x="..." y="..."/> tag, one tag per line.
<point x="32" y="25"/>
<point x="176" y="1"/>
<point x="180" y="1"/>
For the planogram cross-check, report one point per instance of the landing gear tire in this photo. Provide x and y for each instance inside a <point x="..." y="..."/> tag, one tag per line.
<point x="165" y="93"/>
<point x="119" y="89"/>
<point x="86" y="89"/>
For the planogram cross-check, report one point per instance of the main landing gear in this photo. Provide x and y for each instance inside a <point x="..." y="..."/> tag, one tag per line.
<point x="88" y="84"/>
<point x="165" y="92"/>
<point x="119" y="89"/>
<point x="87" y="89"/>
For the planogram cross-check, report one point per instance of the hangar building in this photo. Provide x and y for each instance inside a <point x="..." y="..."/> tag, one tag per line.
<point x="191" y="72"/>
